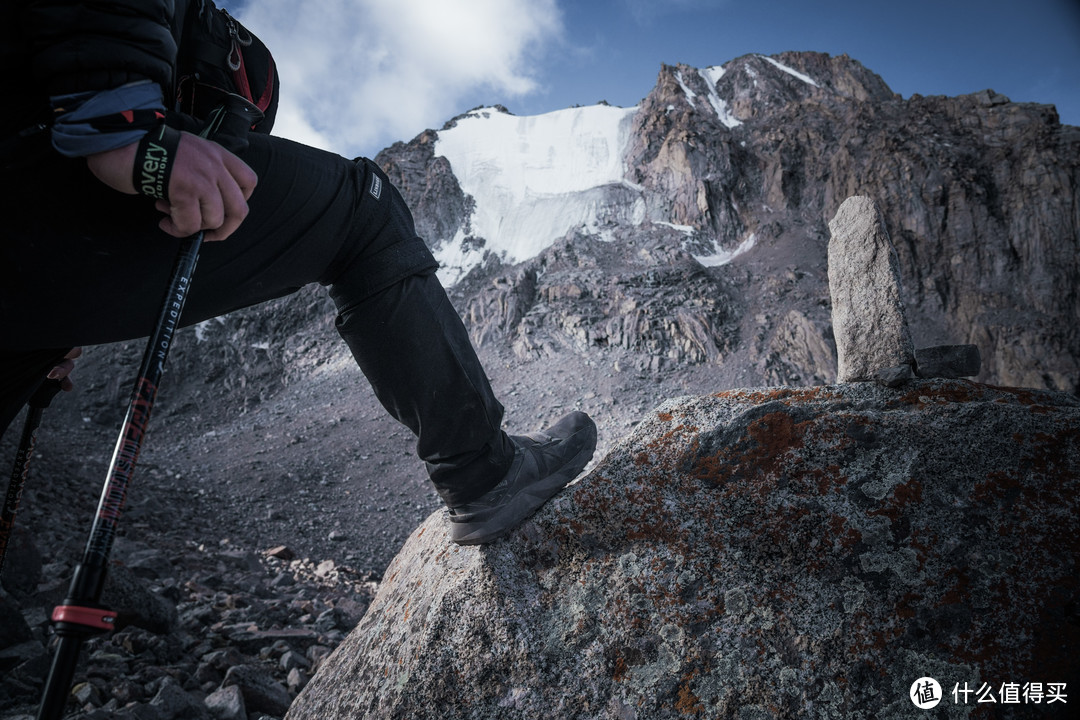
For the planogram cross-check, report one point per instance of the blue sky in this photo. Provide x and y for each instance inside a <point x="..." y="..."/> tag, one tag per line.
<point x="361" y="74"/>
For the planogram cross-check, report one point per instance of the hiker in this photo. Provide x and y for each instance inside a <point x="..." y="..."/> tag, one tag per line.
<point x="89" y="242"/>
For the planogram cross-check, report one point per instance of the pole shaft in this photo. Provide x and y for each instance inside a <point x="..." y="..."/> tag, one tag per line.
<point x="88" y="580"/>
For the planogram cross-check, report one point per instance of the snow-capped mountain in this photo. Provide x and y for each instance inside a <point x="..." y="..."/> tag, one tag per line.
<point x="534" y="179"/>
<point x="692" y="228"/>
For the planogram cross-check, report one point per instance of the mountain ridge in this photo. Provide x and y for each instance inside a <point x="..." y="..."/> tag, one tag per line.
<point x="976" y="191"/>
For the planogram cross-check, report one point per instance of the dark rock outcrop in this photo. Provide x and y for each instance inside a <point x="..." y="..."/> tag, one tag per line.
<point x="655" y="302"/>
<point x="773" y="553"/>
<point x="440" y="206"/>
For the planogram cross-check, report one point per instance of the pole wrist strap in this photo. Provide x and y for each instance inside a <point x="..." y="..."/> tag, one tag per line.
<point x="154" y="161"/>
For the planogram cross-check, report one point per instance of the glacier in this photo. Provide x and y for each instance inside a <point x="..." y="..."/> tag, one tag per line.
<point x="536" y="178"/>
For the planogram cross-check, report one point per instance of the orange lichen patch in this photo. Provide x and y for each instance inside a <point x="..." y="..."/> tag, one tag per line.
<point x="908" y="493"/>
<point x="620" y="669"/>
<point x="962" y="392"/>
<point x="1050" y="452"/>
<point x="960" y="590"/>
<point x="660" y="450"/>
<point x="688" y="703"/>
<point x="1024" y="396"/>
<point x="997" y="484"/>
<point x="904" y="495"/>
<point x="842" y="533"/>
<point x="757" y="459"/>
<point x="671" y="437"/>
<point x="786" y="395"/>
<point x="904" y="607"/>
<point x="869" y="634"/>
<point x="828" y="480"/>
<point x="655" y="522"/>
<point x="665" y="416"/>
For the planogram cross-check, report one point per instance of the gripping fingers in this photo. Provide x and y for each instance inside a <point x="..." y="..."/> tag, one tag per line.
<point x="208" y="190"/>
<point x="234" y="209"/>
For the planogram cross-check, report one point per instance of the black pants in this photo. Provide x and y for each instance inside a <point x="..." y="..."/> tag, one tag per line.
<point x="81" y="264"/>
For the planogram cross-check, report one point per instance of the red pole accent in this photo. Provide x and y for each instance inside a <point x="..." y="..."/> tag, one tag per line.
<point x="97" y="618"/>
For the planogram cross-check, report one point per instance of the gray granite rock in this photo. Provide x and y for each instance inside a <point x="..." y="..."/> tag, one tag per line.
<point x="869" y="318"/>
<point x="776" y="553"/>
<point x="227" y="703"/>
<point x="262" y="693"/>
<point x="130" y="596"/>
<point x="172" y="703"/>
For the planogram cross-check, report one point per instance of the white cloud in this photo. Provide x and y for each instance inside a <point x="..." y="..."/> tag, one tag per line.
<point x="357" y="75"/>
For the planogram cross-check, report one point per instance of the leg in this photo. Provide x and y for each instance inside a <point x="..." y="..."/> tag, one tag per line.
<point x="414" y="350"/>
<point x="83" y="265"/>
<point x="315" y="217"/>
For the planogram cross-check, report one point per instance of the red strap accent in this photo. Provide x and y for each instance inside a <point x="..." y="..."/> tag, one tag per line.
<point x="241" y="79"/>
<point x="97" y="618"/>
<point x="128" y="115"/>
<point x="268" y="94"/>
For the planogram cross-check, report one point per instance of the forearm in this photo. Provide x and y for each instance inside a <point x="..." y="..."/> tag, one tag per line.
<point x="88" y="123"/>
<point x="104" y="65"/>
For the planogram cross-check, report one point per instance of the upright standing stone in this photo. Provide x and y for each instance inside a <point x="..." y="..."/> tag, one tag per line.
<point x="869" y="322"/>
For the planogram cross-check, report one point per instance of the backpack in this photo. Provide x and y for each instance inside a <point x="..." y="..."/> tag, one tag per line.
<point x="218" y="55"/>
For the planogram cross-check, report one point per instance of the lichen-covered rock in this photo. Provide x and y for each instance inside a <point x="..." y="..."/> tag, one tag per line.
<point x="774" y="553"/>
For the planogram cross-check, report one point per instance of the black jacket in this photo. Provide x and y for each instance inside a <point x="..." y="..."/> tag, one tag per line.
<point x="55" y="47"/>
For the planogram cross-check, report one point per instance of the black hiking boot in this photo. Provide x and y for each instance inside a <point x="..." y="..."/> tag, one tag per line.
<point x="543" y="464"/>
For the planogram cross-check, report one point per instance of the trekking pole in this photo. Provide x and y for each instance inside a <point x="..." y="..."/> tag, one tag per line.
<point x="38" y="402"/>
<point x="82" y="615"/>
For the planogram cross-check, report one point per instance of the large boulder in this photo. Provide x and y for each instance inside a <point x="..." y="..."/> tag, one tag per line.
<point x="774" y="553"/>
<point x="869" y="318"/>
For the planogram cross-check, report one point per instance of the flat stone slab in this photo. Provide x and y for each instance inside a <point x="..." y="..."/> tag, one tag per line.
<point x="948" y="361"/>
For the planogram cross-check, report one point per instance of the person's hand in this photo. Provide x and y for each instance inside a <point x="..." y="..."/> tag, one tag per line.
<point x="61" y="371"/>
<point x="208" y="189"/>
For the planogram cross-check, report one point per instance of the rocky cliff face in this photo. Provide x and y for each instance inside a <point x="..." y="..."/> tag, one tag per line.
<point x="774" y="553"/>
<point x="742" y="166"/>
